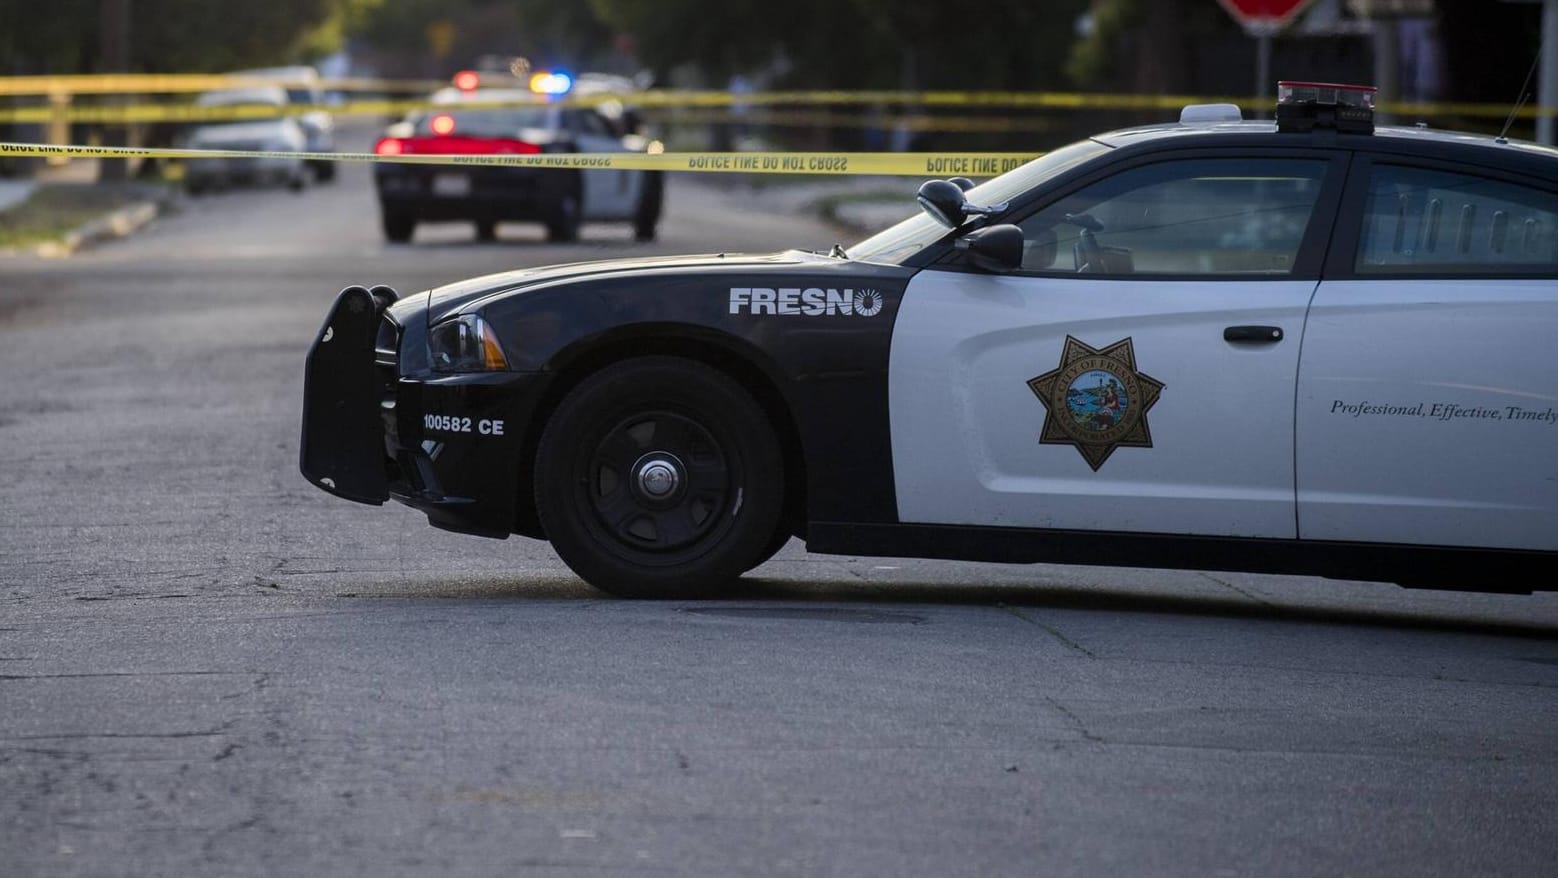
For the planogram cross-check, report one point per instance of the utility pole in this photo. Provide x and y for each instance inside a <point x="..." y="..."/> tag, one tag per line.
<point x="1547" y="84"/>
<point x="114" y="50"/>
<point x="1387" y="64"/>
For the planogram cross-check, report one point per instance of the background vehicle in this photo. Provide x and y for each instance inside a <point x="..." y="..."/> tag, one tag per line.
<point x="302" y="87"/>
<point x="485" y="196"/>
<point x="278" y="135"/>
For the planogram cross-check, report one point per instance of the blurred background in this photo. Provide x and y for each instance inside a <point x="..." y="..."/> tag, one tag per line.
<point x="1436" y="55"/>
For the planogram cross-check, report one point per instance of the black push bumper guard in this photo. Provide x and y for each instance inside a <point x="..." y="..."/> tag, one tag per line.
<point x="342" y="450"/>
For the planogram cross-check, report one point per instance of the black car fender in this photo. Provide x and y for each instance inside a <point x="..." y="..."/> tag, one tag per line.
<point x="815" y="363"/>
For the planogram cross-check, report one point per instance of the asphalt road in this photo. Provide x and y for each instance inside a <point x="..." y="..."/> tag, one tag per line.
<point x="208" y="667"/>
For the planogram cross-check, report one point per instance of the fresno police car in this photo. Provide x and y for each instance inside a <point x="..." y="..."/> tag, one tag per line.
<point x="1302" y="347"/>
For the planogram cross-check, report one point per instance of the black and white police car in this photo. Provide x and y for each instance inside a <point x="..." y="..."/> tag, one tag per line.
<point x="486" y="115"/>
<point x="1302" y="347"/>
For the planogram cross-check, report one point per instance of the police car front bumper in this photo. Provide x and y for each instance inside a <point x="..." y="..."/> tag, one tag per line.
<point x="440" y="193"/>
<point x="449" y="445"/>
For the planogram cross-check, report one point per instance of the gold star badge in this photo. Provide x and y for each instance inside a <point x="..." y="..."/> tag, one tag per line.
<point x="1096" y="400"/>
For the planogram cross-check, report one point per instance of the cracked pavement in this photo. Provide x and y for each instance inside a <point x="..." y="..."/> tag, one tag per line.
<point x="209" y="667"/>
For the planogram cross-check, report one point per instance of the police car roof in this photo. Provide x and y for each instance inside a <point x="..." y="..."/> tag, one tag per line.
<point x="452" y="95"/>
<point x="1426" y="142"/>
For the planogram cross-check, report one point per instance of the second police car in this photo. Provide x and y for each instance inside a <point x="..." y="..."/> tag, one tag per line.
<point x="488" y="114"/>
<point x="1303" y="347"/>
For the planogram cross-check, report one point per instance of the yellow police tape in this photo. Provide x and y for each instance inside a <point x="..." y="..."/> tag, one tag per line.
<point x="105" y="114"/>
<point x="973" y="164"/>
<point x="170" y="83"/>
<point x="60" y="90"/>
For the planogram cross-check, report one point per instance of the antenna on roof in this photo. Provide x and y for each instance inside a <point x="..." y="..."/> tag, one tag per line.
<point x="1524" y="94"/>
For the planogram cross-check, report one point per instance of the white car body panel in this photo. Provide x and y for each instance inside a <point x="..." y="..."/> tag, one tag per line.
<point x="966" y="426"/>
<point x="608" y="194"/>
<point x="1378" y="462"/>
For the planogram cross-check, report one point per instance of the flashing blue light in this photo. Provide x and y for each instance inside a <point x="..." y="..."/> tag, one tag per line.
<point x="554" y="83"/>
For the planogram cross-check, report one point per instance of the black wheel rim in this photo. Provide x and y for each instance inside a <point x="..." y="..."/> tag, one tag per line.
<point x="657" y="482"/>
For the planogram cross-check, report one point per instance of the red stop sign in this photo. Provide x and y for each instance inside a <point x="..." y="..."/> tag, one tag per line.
<point x="1264" y="16"/>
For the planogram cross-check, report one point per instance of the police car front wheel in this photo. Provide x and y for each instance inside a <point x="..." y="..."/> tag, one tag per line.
<point x="659" y="477"/>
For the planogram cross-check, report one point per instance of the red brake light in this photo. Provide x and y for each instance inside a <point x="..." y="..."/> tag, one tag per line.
<point x="467" y="80"/>
<point x="455" y="145"/>
<point x="442" y="124"/>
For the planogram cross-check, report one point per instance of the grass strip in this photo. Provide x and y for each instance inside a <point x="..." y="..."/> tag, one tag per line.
<point x="55" y="209"/>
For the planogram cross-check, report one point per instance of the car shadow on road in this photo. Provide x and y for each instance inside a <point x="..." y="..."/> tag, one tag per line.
<point x="519" y="239"/>
<point x="779" y="592"/>
<point x="1062" y="598"/>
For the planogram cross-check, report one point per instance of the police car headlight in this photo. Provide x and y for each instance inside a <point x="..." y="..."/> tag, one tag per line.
<point x="466" y="344"/>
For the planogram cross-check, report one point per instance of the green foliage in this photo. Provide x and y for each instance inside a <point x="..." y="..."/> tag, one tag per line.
<point x="856" y="43"/>
<point x="62" y="41"/>
<point x="1093" y="58"/>
<point x="400" y="33"/>
<point x="175" y="35"/>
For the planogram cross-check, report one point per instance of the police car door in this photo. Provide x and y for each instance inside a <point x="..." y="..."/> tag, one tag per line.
<point x="1428" y="393"/>
<point x="1137" y="374"/>
<point x="608" y="194"/>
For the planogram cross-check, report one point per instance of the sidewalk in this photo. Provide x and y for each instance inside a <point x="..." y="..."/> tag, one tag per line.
<point x="71" y="210"/>
<point x="14" y="192"/>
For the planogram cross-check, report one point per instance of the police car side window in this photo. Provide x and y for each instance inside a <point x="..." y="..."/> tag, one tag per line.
<point x="586" y="122"/>
<point x="1235" y="216"/>
<point x="1430" y="222"/>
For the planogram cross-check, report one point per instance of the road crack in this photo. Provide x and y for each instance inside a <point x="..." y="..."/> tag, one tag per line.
<point x="1051" y="631"/>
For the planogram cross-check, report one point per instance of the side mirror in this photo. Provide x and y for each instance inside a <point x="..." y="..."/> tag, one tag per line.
<point x="944" y="202"/>
<point x="993" y="248"/>
<point x="961" y="182"/>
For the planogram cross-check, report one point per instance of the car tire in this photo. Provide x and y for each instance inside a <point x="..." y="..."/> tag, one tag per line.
<point x="779" y="540"/>
<point x="324" y="171"/>
<point x="298" y="181"/>
<point x="486" y="230"/>
<point x="646" y="218"/>
<point x="659" y="477"/>
<point x="563" y="226"/>
<point x="398" y="227"/>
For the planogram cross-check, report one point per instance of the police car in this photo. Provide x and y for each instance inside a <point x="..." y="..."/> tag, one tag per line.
<point x="484" y="115"/>
<point x="1295" y="347"/>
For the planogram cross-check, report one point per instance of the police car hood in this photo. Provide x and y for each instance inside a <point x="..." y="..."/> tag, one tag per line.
<point x="446" y="300"/>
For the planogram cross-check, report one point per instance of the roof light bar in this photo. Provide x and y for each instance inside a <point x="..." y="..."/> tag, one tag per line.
<point x="554" y="83"/>
<point x="1305" y="106"/>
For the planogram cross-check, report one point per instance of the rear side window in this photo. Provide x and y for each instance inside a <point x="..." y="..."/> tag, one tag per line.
<point x="1428" y="221"/>
<point x="587" y="122"/>
<point x="487" y="123"/>
<point x="1233" y="216"/>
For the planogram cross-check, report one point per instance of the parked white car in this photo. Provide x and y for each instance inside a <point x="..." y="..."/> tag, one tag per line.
<point x="303" y="88"/>
<point x="276" y="136"/>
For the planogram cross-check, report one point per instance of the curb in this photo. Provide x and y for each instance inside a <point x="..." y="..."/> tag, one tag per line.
<point x="117" y="224"/>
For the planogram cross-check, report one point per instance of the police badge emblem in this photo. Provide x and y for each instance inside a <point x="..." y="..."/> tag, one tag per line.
<point x="1096" y="400"/>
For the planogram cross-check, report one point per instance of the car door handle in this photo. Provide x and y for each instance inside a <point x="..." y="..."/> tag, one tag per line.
<point x="1266" y="334"/>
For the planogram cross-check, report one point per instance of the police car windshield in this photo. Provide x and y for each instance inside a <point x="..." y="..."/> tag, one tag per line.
<point x="914" y="234"/>
<point x="486" y="123"/>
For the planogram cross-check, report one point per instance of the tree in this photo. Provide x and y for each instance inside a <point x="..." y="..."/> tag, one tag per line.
<point x="856" y="43"/>
<point x="171" y="36"/>
<point x="400" y="34"/>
